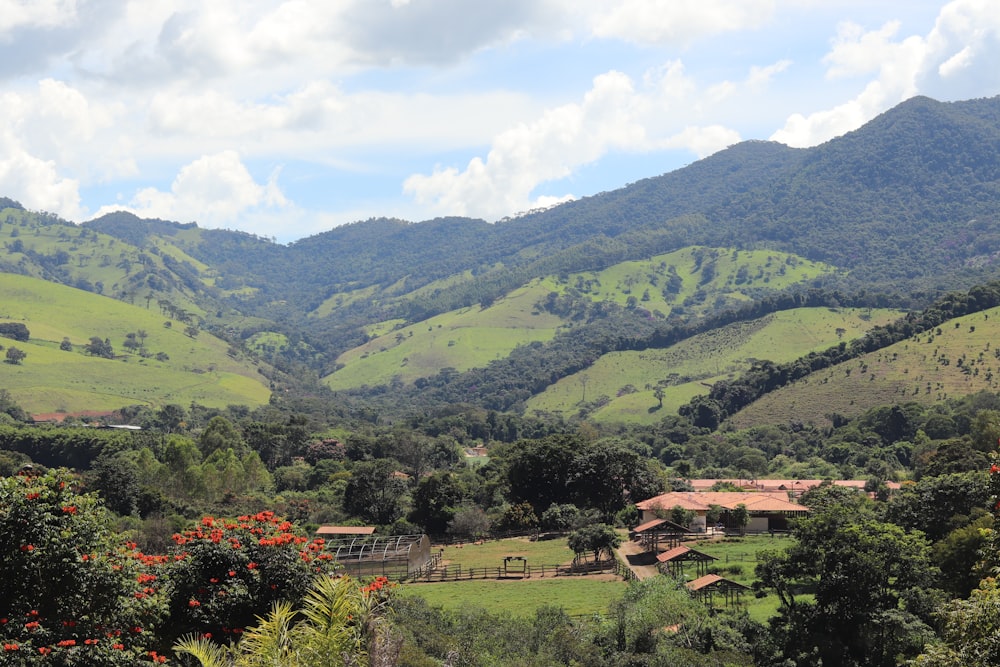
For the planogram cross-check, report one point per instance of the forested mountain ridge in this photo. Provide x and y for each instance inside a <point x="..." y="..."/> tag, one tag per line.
<point x="902" y="208"/>
<point x="910" y="195"/>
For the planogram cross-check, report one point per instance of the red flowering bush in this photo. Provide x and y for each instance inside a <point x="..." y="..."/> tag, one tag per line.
<point x="224" y="573"/>
<point x="70" y="594"/>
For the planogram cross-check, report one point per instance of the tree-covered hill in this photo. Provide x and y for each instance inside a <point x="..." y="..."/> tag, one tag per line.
<point x="902" y="208"/>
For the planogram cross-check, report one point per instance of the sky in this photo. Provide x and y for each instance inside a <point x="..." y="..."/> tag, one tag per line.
<point x="287" y="118"/>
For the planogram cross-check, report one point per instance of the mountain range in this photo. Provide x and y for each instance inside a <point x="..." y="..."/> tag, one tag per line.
<point x="890" y="216"/>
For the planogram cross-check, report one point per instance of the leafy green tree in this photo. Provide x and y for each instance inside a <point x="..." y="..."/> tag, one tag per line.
<point x="518" y="518"/>
<point x="741" y="517"/>
<point x="9" y="407"/>
<point x="608" y="474"/>
<point x="681" y="516"/>
<point x="970" y="632"/>
<point x="71" y="591"/>
<point x="220" y="434"/>
<point x="341" y="622"/>
<point x="937" y="505"/>
<point x="539" y="471"/>
<point x="116" y="479"/>
<point x="865" y="574"/>
<point x="15" y="355"/>
<point x="15" y="330"/>
<point x="374" y="492"/>
<point x="435" y="501"/>
<point x="561" y="518"/>
<point x="597" y="538"/>
<point x="470" y="522"/>
<point x="99" y="348"/>
<point x="227" y="572"/>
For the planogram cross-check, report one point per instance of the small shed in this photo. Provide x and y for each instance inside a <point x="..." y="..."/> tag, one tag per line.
<point x="396" y="557"/>
<point x="334" y="532"/>
<point x="705" y="588"/>
<point x="656" y="531"/>
<point x="672" y="561"/>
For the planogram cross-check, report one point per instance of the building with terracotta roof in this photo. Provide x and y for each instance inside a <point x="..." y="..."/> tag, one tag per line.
<point x="768" y="511"/>
<point x="793" y="487"/>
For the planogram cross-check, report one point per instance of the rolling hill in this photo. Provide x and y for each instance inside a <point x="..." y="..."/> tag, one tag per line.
<point x="169" y="365"/>
<point x="889" y="215"/>
<point x="956" y="359"/>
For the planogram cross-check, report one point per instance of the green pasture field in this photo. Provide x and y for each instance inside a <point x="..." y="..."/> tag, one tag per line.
<point x="737" y="560"/>
<point x="627" y="379"/>
<point x="711" y="272"/>
<point x="52" y="380"/>
<point x="91" y="256"/>
<point x="577" y="596"/>
<point x="959" y="358"/>
<point x="474" y="336"/>
<point x="491" y="553"/>
<point x="461" y="339"/>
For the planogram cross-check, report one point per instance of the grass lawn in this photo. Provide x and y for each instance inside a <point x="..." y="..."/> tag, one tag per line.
<point x="737" y="560"/>
<point x="491" y="553"/>
<point x="577" y="596"/>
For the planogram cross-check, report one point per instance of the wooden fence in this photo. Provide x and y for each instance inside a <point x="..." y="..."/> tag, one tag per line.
<point x="458" y="573"/>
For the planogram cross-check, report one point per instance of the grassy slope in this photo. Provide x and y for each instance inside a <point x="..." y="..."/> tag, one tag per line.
<point x="690" y="367"/>
<point x="461" y="339"/>
<point x="94" y="257"/>
<point x="472" y="337"/>
<point x="52" y="380"/>
<point x="932" y="367"/>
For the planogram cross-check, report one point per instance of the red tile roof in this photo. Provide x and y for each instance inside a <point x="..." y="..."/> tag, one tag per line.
<point x="345" y="530"/>
<point x="700" y="502"/>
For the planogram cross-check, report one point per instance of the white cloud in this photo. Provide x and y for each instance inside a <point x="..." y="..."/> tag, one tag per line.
<point x="956" y="63"/>
<point x="679" y="21"/>
<point x="613" y="116"/>
<point x="214" y="190"/>
<point x="37" y="183"/>
<point x="19" y="14"/>
<point x="704" y="141"/>
<point x="965" y="40"/>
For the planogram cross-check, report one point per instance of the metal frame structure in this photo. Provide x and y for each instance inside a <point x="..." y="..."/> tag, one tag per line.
<point x="395" y="556"/>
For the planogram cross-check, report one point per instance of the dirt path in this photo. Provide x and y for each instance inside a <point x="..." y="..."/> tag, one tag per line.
<point x="642" y="563"/>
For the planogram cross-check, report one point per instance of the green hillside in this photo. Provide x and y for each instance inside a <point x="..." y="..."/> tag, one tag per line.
<point x="957" y="359"/>
<point x="620" y="386"/>
<point x="694" y="281"/>
<point x="167" y="366"/>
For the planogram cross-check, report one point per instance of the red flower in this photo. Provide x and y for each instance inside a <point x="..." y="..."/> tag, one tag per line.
<point x="11" y="647"/>
<point x="69" y="509"/>
<point x="193" y="603"/>
<point x="44" y="650"/>
<point x="27" y="547"/>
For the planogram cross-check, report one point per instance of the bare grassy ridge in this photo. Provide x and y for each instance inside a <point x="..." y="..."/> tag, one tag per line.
<point x="50" y="379"/>
<point x="962" y="359"/>
<point x="627" y="380"/>
<point x="474" y="336"/>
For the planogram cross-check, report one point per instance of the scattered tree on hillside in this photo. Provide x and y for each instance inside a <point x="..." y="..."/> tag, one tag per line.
<point x="16" y="330"/>
<point x="99" y="348"/>
<point x="15" y="356"/>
